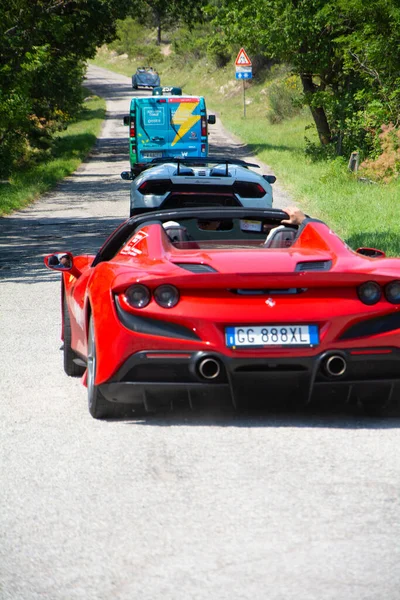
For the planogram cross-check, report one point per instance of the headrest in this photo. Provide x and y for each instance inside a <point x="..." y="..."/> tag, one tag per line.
<point x="170" y="224"/>
<point x="280" y="237"/>
<point x="177" y="233"/>
<point x="184" y="171"/>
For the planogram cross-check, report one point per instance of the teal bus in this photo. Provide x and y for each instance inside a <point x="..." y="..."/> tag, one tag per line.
<point x="167" y="124"/>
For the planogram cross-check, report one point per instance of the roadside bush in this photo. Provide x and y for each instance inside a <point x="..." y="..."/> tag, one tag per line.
<point x="14" y="127"/>
<point x="264" y="65"/>
<point x="38" y="106"/>
<point x="386" y="167"/>
<point x="13" y="149"/>
<point x="150" y="54"/>
<point x="318" y="153"/>
<point x="284" y="99"/>
<point x="190" y="45"/>
<point x="131" y="38"/>
<point x="137" y="42"/>
<point x="219" y="51"/>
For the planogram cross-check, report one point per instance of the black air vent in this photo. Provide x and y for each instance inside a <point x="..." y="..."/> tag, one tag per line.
<point x="184" y="172"/>
<point x="314" y="265"/>
<point x="220" y="172"/>
<point x="196" y="267"/>
<point x="374" y="326"/>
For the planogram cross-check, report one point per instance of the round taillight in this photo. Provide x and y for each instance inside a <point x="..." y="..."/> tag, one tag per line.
<point x="166" y="296"/>
<point x="369" y="292"/>
<point x="138" y="295"/>
<point x="392" y="292"/>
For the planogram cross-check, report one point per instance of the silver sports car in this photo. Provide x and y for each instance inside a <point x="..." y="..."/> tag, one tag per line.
<point x="171" y="183"/>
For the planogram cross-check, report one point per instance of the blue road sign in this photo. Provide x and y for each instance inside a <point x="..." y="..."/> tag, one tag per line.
<point x="244" y="75"/>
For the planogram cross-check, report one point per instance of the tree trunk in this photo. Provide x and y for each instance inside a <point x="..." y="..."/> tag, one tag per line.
<point x="159" y="33"/>
<point x="318" y="112"/>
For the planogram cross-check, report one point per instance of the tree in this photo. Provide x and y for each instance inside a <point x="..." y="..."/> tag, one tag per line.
<point x="165" y="15"/>
<point x="338" y="49"/>
<point x="43" y="46"/>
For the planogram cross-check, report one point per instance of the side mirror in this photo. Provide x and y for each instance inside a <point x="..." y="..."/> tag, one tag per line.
<point x="126" y="175"/>
<point x="126" y="120"/>
<point x="270" y="178"/>
<point x="211" y="119"/>
<point x="60" y="261"/>
<point x="371" y="252"/>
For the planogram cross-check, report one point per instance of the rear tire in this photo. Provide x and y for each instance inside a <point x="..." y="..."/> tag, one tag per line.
<point x="71" y="369"/>
<point x="99" y="407"/>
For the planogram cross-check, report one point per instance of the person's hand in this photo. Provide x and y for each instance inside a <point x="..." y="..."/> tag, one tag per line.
<point x="296" y="216"/>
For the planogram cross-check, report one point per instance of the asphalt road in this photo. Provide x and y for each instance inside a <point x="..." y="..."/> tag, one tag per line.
<point x="181" y="506"/>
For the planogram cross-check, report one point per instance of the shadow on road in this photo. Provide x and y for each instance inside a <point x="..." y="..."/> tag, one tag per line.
<point x="263" y="418"/>
<point x="328" y="411"/>
<point x="327" y="408"/>
<point x="25" y="241"/>
<point x="109" y="89"/>
<point x="238" y="151"/>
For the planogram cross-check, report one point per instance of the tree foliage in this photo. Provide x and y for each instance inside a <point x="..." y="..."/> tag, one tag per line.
<point x="346" y="53"/>
<point x="43" y="46"/>
<point x="164" y="15"/>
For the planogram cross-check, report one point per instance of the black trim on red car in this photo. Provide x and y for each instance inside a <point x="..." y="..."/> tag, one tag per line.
<point x="149" y="375"/>
<point x="374" y="326"/>
<point x="153" y="326"/>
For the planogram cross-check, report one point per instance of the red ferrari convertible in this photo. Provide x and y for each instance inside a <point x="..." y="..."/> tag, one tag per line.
<point x="228" y="303"/>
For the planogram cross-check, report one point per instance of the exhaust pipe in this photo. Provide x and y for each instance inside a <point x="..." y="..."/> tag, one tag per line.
<point x="335" y="365"/>
<point x="209" y="368"/>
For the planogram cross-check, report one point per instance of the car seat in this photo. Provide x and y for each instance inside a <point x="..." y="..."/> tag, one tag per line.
<point x="179" y="234"/>
<point x="280" y="237"/>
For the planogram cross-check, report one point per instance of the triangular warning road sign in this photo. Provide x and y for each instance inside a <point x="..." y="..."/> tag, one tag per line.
<point x="242" y="60"/>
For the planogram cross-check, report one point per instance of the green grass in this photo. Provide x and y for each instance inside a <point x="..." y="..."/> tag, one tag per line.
<point x="361" y="213"/>
<point x="71" y="147"/>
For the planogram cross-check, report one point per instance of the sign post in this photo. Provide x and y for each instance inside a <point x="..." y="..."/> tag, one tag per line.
<point x="244" y="70"/>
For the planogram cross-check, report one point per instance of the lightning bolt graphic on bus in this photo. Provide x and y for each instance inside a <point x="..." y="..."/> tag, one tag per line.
<point x="184" y="117"/>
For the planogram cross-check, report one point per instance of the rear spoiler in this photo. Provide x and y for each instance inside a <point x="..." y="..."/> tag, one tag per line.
<point x="200" y="161"/>
<point x="207" y="214"/>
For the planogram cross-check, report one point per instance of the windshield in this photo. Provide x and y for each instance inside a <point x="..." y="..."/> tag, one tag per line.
<point x="229" y="233"/>
<point x="243" y="228"/>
